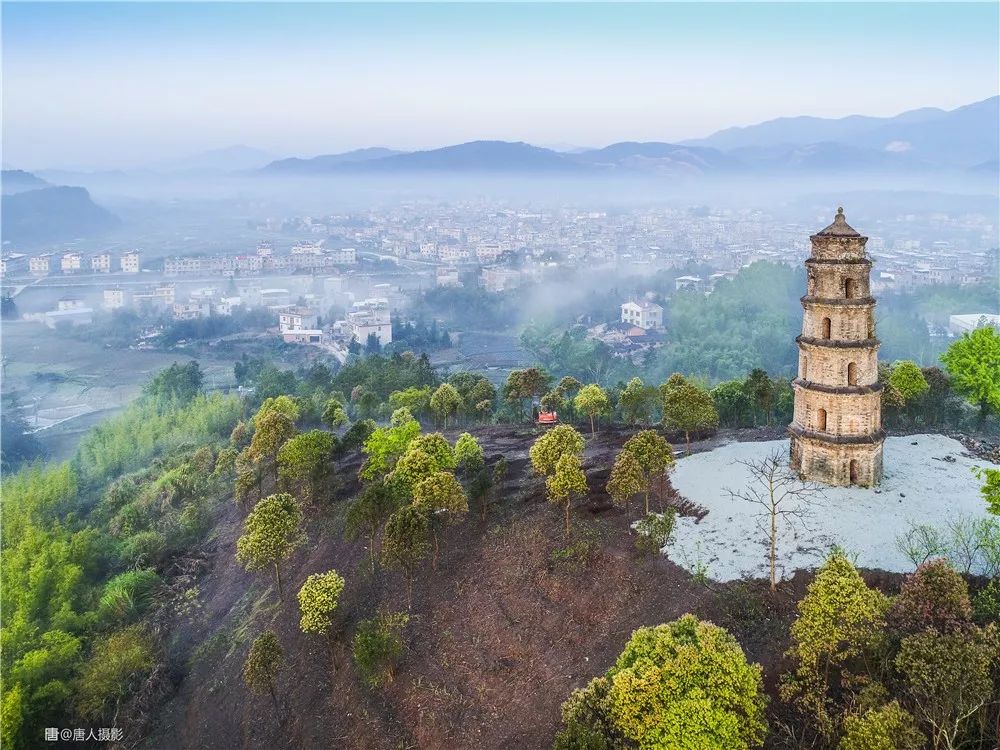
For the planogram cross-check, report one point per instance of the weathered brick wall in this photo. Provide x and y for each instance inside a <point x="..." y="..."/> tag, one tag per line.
<point x="838" y="248"/>
<point x="847" y="322"/>
<point x="846" y="414"/>
<point x="829" y="283"/>
<point x="831" y="464"/>
<point x="821" y="364"/>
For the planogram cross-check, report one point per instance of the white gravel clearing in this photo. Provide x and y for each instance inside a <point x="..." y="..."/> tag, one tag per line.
<point x="919" y="486"/>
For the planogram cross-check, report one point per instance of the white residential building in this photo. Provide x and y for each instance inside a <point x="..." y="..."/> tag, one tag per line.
<point x="296" y="319"/>
<point x="645" y="314"/>
<point x="74" y="316"/>
<point x="71" y="263"/>
<point x="192" y="310"/>
<point x="114" y="299"/>
<point x="39" y="265"/>
<point x="101" y="263"/>
<point x="69" y="303"/>
<point x="959" y="324"/>
<point x="302" y="336"/>
<point x="448" y="276"/>
<point x="500" y="279"/>
<point x="130" y="262"/>
<point x="370" y="317"/>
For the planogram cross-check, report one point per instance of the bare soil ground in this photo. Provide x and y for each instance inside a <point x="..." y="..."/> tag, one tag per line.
<point x="499" y="635"/>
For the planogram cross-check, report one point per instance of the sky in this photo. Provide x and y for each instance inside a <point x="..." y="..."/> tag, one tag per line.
<point x="115" y="85"/>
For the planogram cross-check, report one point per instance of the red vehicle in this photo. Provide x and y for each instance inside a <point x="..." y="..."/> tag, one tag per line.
<point x="548" y="417"/>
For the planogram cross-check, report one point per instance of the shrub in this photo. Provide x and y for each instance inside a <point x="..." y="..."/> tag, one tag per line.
<point x="655" y="531"/>
<point x="318" y="599"/>
<point x="685" y="684"/>
<point x="887" y="728"/>
<point x="115" y="668"/>
<point x="128" y="594"/>
<point x="986" y="603"/>
<point x="377" y="646"/>
<point x="935" y="596"/>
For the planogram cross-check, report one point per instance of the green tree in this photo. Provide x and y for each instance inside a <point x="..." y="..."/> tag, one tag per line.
<point x="838" y="618"/>
<point x="271" y="431"/>
<point x="760" y="388"/>
<point x="948" y="678"/>
<point x="368" y="512"/>
<point x="887" y="728"/>
<point x="567" y="479"/>
<point x="377" y="646"/>
<point x="282" y="404"/>
<point x="405" y="543"/>
<point x="655" y="456"/>
<point x="991" y="489"/>
<point x="627" y="480"/>
<point x="385" y="445"/>
<point x="550" y="447"/>
<point x="973" y="362"/>
<point x="435" y="446"/>
<point x="271" y="533"/>
<point x="637" y="401"/>
<point x="305" y="462"/>
<point x="263" y="662"/>
<point x="415" y="466"/>
<point x="592" y="401"/>
<point x="334" y="415"/>
<point x="524" y="384"/>
<point x="179" y="383"/>
<point x="441" y="498"/>
<point x="686" y="684"/>
<point x="445" y="402"/>
<point x="469" y="454"/>
<point x="908" y="380"/>
<point x="934" y="597"/>
<point x="688" y="408"/>
<point x="318" y="600"/>
<point x="417" y="400"/>
<point x="733" y="404"/>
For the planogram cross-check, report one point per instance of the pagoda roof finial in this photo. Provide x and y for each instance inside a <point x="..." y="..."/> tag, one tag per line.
<point x="839" y="227"/>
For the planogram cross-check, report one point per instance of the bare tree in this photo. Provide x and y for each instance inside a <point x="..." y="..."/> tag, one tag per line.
<point x="780" y="494"/>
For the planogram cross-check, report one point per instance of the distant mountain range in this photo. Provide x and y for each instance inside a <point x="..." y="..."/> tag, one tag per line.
<point x="963" y="137"/>
<point x="229" y="159"/>
<point x="49" y="214"/>
<point x="922" y="139"/>
<point x="17" y="181"/>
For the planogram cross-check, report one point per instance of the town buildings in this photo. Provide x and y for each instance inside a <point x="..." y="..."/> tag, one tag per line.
<point x="836" y="432"/>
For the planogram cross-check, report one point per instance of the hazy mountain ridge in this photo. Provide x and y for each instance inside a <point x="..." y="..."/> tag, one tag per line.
<point x="326" y="162"/>
<point x="52" y="214"/>
<point x="17" y="181"/>
<point x="961" y="137"/>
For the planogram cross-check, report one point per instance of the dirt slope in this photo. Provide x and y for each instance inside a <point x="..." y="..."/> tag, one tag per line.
<point x="499" y="635"/>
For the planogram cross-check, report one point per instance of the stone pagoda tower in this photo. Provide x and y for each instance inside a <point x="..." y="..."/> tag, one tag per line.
<point x="836" y="433"/>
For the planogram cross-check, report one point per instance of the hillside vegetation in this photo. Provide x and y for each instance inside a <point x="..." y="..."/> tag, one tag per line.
<point x="378" y="557"/>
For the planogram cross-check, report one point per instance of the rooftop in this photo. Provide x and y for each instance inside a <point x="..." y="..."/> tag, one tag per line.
<point x="839" y="227"/>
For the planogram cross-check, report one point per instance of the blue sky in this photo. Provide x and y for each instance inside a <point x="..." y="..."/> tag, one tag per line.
<point x="122" y="84"/>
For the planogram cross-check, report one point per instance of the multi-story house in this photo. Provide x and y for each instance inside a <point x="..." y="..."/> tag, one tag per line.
<point x="646" y="315"/>
<point x="130" y="262"/>
<point x="101" y="263"/>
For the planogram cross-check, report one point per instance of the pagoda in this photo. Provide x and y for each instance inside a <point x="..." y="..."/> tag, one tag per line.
<point x="836" y="431"/>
